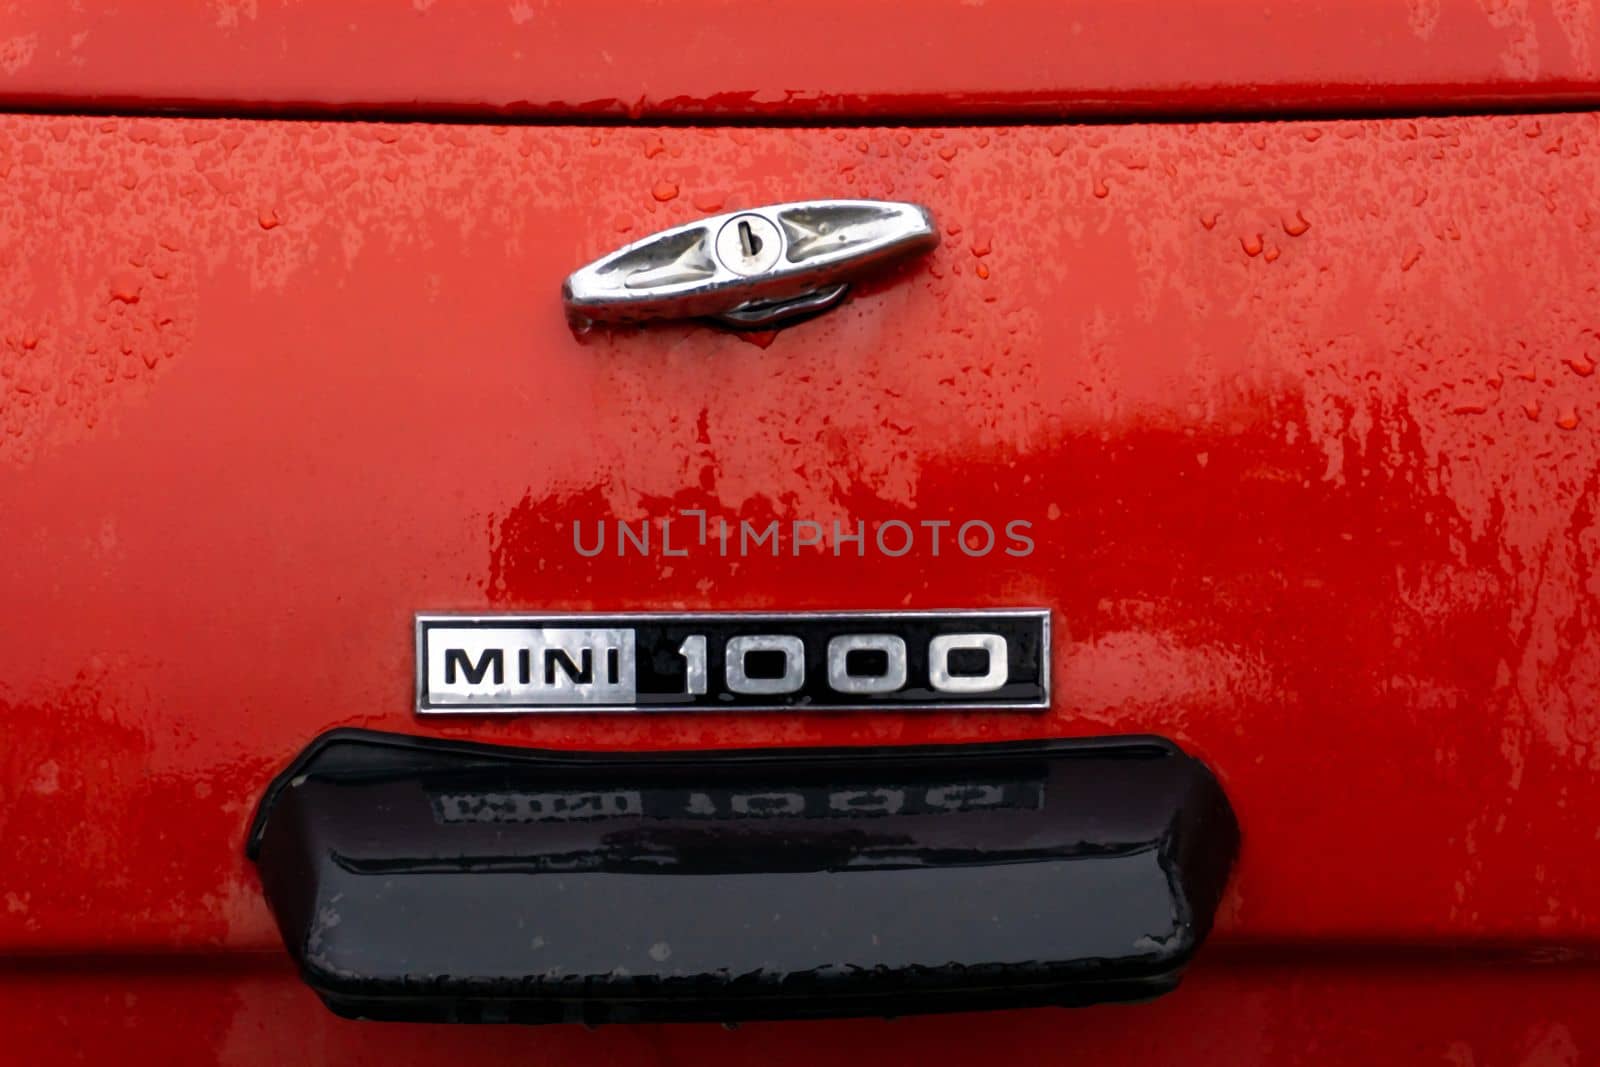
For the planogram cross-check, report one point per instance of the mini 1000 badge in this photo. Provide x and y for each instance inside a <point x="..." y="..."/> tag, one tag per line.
<point x="734" y="662"/>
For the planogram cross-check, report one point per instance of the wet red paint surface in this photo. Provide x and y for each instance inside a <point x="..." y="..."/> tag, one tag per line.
<point x="789" y="60"/>
<point x="1228" y="1015"/>
<point x="1302" y="415"/>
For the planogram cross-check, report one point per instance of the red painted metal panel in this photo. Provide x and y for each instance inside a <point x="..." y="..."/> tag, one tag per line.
<point x="1229" y="1015"/>
<point x="783" y="58"/>
<point x="1303" y="416"/>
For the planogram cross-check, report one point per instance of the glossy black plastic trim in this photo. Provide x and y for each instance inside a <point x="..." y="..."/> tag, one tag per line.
<point x="429" y="880"/>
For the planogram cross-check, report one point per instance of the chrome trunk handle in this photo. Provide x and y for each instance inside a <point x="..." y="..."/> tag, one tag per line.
<point x="752" y="269"/>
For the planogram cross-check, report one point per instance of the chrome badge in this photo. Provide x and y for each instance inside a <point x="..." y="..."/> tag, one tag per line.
<point x="477" y="664"/>
<point x="750" y="269"/>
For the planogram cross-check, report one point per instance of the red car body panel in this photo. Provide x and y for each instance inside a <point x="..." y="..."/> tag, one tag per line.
<point x="783" y="60"/>
<point x="1229" y="1013"/>
<point x="1302" y="415"/>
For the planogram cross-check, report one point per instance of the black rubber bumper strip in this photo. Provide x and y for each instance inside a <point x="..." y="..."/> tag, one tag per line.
<point x="425" y="880"/>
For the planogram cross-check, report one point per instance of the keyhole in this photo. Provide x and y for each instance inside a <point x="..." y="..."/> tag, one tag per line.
<point x="748" y="245"/>
<point x="748" y="241"/>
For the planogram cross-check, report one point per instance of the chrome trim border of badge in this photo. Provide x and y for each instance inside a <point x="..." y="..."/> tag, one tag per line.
<point x="733" y="661"/>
